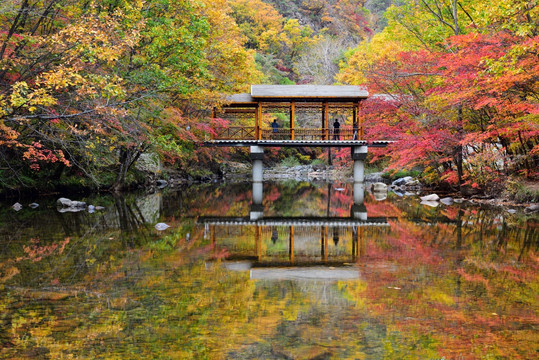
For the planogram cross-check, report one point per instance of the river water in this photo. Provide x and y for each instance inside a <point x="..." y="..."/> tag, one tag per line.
<point x="308" y="274"/>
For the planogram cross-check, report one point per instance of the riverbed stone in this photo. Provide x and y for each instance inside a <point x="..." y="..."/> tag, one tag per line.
<point x="33" y="205"/>
<point x="17" y="206"/>
<point x="532" y="208"/>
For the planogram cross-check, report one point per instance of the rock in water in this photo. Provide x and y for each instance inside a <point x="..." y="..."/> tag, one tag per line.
<point x="17" y="206"/>
<point x="34" y="205"/>
<point x="379" y="187"/>
<point x="431" y="197"/>
<point x="64" y="202"/>
<point x="447" y="201"/>
<point x="402" y="181"/>
<point x="161" y="226"/>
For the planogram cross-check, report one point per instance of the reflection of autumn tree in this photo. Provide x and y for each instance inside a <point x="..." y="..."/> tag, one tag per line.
<point x="462" y="288"/>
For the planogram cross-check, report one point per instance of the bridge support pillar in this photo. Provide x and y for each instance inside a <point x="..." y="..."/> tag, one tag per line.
<point x="359" y="154"/>
<point x="257" y="209"/>
<point x="257" y="155"/>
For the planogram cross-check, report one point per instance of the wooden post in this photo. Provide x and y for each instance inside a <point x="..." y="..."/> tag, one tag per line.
<point x="355" y="126"/>
<point x="291" y="245"/>
<point x="258" y="245"/>
<point x="326" y="245"/>
<point x="258" y="119"/>
<point x="326" y="120"/>
<point x="212" y="235"/>
<point x="359" y="120"/>
<point x="292" y="118"/>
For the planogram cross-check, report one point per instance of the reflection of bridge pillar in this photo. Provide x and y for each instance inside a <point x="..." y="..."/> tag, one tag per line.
<point x="257" y="155"/>
<point x="359" y="154"/>
<point x="257" y="209"/>
<point x="358" y="243"/>
<point x="359" y="211"/>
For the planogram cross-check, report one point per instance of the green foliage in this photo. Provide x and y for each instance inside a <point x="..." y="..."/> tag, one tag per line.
<point x="290" y="161"/>
<point x="393" y="175"/>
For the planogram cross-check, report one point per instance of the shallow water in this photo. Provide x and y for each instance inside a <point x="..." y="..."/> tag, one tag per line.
<point x="309" y="275"/>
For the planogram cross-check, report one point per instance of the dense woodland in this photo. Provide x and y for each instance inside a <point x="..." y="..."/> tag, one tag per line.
<point x="86" y="87"/>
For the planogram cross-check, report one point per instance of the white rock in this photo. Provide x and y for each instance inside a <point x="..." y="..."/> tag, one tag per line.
<point x="34" y="205"/>
<point x="402" y="181"/>
<point x="447" y="201"/>
<point x="17" y="206"/>
<point x="431" y="197"/>
<point x="511" y="211"/>
<point x="161" y="226"/>
<point x="412" y="183"/>
<point x="379" y="187"/>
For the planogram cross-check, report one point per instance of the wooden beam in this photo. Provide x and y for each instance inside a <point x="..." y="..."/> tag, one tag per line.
<point x="292" y="118"/>
<point x="239" y="111"/>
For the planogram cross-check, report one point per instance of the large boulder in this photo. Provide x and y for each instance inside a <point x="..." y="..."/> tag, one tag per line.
<point x="402" y="181"/>
<point x="67" y="203"/>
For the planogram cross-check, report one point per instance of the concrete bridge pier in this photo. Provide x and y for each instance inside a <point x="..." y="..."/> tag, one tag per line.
<point x="257" y="209"/>
<point x="257" y="155"/>
<point x="359" y="154"/>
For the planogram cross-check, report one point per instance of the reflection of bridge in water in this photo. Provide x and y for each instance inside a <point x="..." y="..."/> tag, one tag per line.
<point x="299" y="247"/>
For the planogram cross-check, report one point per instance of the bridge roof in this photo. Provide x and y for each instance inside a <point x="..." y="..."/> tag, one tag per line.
<point x="340" y="93"/>
<point x="309" y="91"/>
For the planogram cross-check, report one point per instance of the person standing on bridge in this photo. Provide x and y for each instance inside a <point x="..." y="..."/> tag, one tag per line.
<point x="336" y="130"/>
<point x="275" y="127"/>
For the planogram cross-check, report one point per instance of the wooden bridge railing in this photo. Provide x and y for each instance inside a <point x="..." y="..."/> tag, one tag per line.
<point x="249" y="133"/>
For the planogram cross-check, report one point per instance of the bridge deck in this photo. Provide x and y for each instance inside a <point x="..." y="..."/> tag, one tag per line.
<point x="298" y="143"/>
<point x="298" y="221"/>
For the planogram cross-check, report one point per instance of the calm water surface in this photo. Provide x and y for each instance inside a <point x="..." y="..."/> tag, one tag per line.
<point x="307" y="275"/>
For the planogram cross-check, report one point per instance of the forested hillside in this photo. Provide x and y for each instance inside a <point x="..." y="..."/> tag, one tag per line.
<point x="86" y="87"/>
<point x="460" y="80"/>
